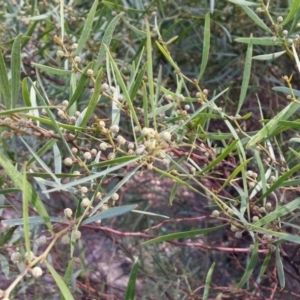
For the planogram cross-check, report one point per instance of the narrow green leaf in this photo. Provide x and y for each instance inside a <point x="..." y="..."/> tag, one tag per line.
<point x="296" y="57"/>
<point x="256" y="19"/>
<point x="182" y="235"/>
<point x="15" y="70"/>
<point x="234" y="173"/>
<point x="264" y="41"/>
<point x="208" y="281"/>
<point x="264" y="265"/>
<point x="246" y="77"/>
<point x="69" y="271"/>
<point x="268" y="56"/>
<point x="280" y="181"/>
<point x="28" y="34"/>
<point x="124" y="89"/>
<point x="86" y="28"/>
<point x="167" y="55"/>
<point x="94" y="100"/>
<point x="137" y="82"/>
<point x="206" y="46"/>
<point x="286" y="90"/>
<point x="272" y="125"/>
<point x="5" y="238"/>
<point x="32" y="221"/>
<point x="4" y="265"/>
<point x="25" y="93"/>
<point x="173" y="192"/>
<point x="106" y="40"/>
<point x="80" y="85"/>
<point x="4" y="84"/>
<point x="68" y="275"/>
<point x="279" y="267"/>
<point x="94" y="176"/>
<point x="226" y="152"/>
<point x="40" y="161"/>
<point x="42" y="150"/>
<point x="278" y="213"/>
<point x="25" y="200"/>
<point x="17" y="179"/>
<point x="110" y="213"/>
<point x="60" y="283"/>
<point x="50" y="70"/>
<point x="243" y="2"/>
<point x="149" y="53"/>
<point x="293" y="10"/>
<point x="118" y="7"/>
<point x="130" y="290"/>
<point x="140" y="33"/>
<point x="251" y="266"/>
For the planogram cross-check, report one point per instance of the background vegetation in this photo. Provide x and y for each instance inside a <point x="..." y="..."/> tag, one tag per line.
<point x="149" y="150"/>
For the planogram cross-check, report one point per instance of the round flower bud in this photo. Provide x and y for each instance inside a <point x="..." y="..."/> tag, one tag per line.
<point x="268" y="205"/>
<point x="31" y="255"/>
<point x="272" y="247"/>
<point x="85" y="202"/>
<point x="285" y="32"/>
<point x="72" y="120"/>
<point x="61" y="113"/>
<point x="262" y="210"/>
<point x="103" y="146"/>
<point x="65" y="103"/>
<point x="140" y="150"/>
<point x="77" y="59"/>
<point x="94" y="152"/>
<point x="42" y="240"/>
<point x="77" y="173"/>
<point x="131" y="152"/>
<point x="104" y="87"/>
<point x="121" y="140"/>
<point x="89" y="72"/>
<point x="250" y="173"/>
<point x="74" y="150"/>
<point x="238" y="234"/>
<point x="68" y="212"/>
<point x="279" y="19"/>
<point x="251" y="184"/>
<point x="74" y="46"/>
<point x="187" y="107"/>
<point x="84" y="189"/>
<point x="115" y="197"/>
<point x="65" y="239"/>
<point x="150" y="167"/>
<point x="99" y="196"/>
<point x="68" y="161"/>
<point x="215" y="213"/>
<point x="114" y="128"/>
<point x="36" y="272"/>
<point x="111" y="155"/>
<point x="77" y="234"/>
<point x="87" y="155"/>
<point x="102" y="124"/>
<point x="60" y="53"/>
<point x="165" y="135"/>
<point x="233" y="228"/>
<point x="255" y="218"/>
<point x="104" y="207"/>
<point x="181" y="97"/>
<point x="130" y="146"/>
<point x="16" y="257"/>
